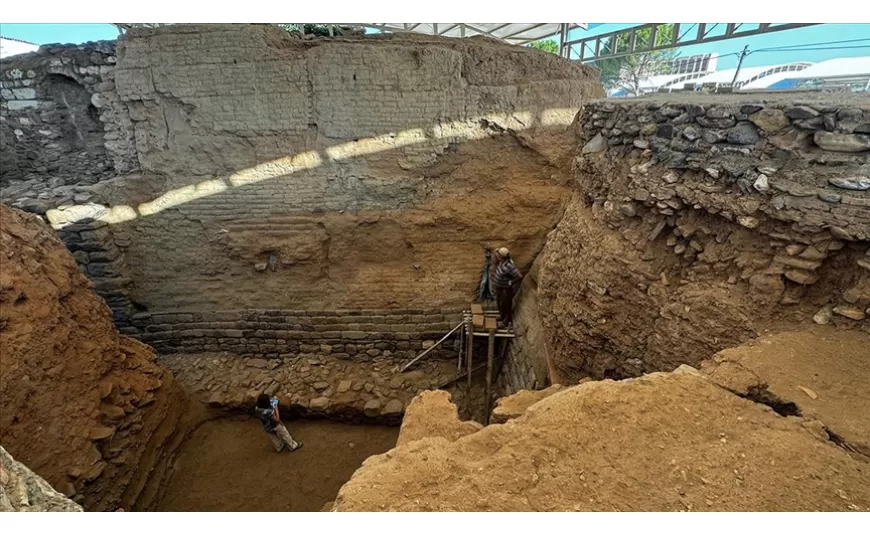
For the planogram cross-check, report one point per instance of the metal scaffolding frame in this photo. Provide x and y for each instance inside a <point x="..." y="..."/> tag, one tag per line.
<point x="512" y="33"/>
<point x="604" y="46"/>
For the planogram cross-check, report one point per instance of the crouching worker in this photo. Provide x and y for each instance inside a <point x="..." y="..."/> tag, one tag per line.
<point x="267" y="412"/>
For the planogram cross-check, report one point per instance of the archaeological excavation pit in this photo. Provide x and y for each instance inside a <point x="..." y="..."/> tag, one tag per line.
<point x="206" y="213"/>
<point x="228" y="465"/>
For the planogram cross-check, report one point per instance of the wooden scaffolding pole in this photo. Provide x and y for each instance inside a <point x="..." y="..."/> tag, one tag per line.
<point x="490" y="355"/>
<point x="469" y="344"/>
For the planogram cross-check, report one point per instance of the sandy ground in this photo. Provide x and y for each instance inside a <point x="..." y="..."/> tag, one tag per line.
<point x="663" y="442"/>
<point x="821" y="374"/>
<point x="229" y="465"/>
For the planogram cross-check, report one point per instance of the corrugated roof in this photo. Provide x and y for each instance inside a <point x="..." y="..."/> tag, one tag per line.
<point x="513" y="33"/>
<point x="727" y="75"/>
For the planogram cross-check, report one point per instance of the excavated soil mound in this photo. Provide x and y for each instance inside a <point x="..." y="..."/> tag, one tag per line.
<point x="662" y="442"/>
<point x="229" y="465"/>
<point x="84" y="407"/>
<point x="432" y="414"/>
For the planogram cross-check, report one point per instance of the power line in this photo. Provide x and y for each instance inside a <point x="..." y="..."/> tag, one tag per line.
<point x="798" y="46"/>
<point x="822" y="48"/>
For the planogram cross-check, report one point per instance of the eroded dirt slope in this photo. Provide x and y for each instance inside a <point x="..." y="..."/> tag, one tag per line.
<point x="84" y="407"/>
<point x="661" y="442"/>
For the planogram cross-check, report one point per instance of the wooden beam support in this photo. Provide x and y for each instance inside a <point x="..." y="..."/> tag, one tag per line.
<point x="469" y="349"/>
<point x="490" y="356"/>
<point x="430" y="349"/>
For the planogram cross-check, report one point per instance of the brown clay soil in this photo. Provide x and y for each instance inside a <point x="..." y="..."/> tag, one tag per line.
<point x="662" y="442"/>
<point x="819" y="374"/>
<point x="82" y="406"/>
<point x="229" y="465"/>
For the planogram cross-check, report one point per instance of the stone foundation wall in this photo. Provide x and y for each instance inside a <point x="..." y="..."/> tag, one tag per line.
<point x="526" y="364"/>
<point x="345" y="335"/>
<point x="62" y="124"/>
<point x="803" y="165"/>
<point x="699" y="222"/>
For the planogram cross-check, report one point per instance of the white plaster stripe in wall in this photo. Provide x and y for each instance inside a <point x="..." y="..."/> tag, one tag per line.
<point x="372" y="145"/>
<point x="278" y="167"/>
<point x="465" y="130"/>
<point x="182" y="195"/>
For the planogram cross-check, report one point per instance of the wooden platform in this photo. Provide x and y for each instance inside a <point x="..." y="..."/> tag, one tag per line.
<point x="482" y="332"/>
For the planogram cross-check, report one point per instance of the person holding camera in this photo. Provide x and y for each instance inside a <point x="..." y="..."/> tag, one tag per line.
<point x="268" y="414"/>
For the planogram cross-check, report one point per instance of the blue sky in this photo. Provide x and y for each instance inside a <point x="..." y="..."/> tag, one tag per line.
<point x="58" y="33"/>
<point x="823" y="33"/>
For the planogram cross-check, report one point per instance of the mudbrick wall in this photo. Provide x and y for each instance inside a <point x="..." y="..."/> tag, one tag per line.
<point x="698" y="222"/>
<point x="243" y="169"/>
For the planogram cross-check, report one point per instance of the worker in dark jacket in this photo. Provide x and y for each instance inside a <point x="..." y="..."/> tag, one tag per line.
<point x="268" y="414"/>
<point x="506" y="281"/>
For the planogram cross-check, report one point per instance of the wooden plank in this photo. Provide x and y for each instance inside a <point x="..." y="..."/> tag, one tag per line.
<point x="477" y="321"/>
<point x="476" y="309"/>
<point x="490" y="354"/>
<point x="461" y="351"/>
<point x="491" y="323"/>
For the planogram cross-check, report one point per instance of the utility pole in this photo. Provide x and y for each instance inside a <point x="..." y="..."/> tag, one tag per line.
<point x="739" y="64"/>
<point x="564" y="49"/>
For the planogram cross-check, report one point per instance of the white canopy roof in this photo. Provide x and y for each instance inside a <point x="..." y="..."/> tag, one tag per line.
<point x="12" y="47"/>
<point x="513" y="33"/>
<point x="839" y="67"/>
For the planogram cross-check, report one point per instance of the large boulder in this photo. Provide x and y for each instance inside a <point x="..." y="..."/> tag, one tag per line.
<point x="22" y="490"/>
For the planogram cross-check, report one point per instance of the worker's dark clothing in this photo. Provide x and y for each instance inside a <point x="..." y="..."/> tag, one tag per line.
<point x="505" y="298"/>
<point x="506" y="275"/>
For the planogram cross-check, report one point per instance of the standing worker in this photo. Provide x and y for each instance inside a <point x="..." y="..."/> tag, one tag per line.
<point x="506" y="281"/>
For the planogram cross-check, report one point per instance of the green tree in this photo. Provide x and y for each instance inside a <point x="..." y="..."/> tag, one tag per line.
<point x="630" y="71"/>
<point x="546" y="46"/>
<point x="310" y="29"/>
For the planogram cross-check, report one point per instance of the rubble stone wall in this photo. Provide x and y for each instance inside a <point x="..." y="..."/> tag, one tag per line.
<point x="349" y="335"/>
<point x="61" y="121"/>
<point x="701" y="221"/>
